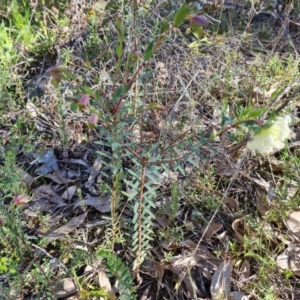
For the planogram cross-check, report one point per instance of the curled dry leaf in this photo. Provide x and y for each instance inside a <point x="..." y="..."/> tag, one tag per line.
<point x="101" y="204"/>
<point x="237" y="296"/>
<point x="244" y="270"/>
<point x="155" y="269"/>
<point x="220" y="284"/>
<point x="210" y="229"/>
<point x="262" y="203"/>
<point x="290" y="259"/>
<point x="32" y="109"/>
<point x="189" y="244"/>
<point x="230" y="203"/>
<point x="104" y="283"/>
<point x="77" y="161"/>
<point x="94" y="172"/>
<point x="49" y="163"/>
<point x="58" y="177"/>
<point x="65" y="229"/>
<point x="45" y="192"/>
<point x="66" y="288"/>
<point x="69" y="192"/>
<point x="239" y="225"/>
<point x="26" y="178"/>
<point x="189" y="282"/>
<point x="225" y="169"/>
<point x="179" y="264"/>
<point x="293" y="222"/>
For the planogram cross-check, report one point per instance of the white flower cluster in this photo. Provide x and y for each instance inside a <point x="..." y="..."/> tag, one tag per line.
<point x="271" y="137"/>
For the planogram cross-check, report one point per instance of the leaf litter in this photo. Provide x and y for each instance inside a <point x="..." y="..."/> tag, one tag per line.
<point x="193" y="261"/>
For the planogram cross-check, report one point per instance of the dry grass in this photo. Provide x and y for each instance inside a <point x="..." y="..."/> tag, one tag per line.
<point x="221" y="221"/>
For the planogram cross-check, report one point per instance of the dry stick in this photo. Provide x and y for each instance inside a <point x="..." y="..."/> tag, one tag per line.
<point x="137" y="270"/>
<point x="167" y="161"/>
<point x="49" y="255"/>
<point x="283" y="95"/>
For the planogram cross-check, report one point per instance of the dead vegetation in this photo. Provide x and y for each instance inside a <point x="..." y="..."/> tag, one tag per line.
<point x="161" y="200"/>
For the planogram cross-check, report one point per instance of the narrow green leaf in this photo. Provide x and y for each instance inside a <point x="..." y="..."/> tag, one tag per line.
<point x="149" y="52"/>
<point x="181" y="14"/>
<point x="149" y="212"/>
<point x="119" y="50"/>
<point x="121" y="31"/>
<point x="74" y="106"/>
<point x="131" y="195"/>
<point x="119" y="92"/>
<point x="135" y="175"/>
<point x="164" y="26"/>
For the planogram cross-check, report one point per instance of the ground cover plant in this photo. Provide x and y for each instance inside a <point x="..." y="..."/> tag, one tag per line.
<point x="149" y="150"/>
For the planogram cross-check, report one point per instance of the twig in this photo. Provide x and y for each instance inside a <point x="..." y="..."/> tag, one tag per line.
<point x="283" y="95"/>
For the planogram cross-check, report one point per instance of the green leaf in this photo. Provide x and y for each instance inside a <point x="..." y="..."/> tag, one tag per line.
<point x="74" y="106"/>
<point x="120" y="91"/>
<point x="148" y="55"/>
<point x="181" y="14"/>
<point x="149" y="51"/>
<point x="250" y="113"/>
<point x="198" y="32"/>
<point x="147" y="213"/>
<point x="164" y="27"/>
<point x="87" y="90"/>
<point x="226" y="120"/>
<point x="119" y="50"/>
<point x="121" y="31"/>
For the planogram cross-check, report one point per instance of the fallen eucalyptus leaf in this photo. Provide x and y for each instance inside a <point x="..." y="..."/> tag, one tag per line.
<point x="220" y="284"/>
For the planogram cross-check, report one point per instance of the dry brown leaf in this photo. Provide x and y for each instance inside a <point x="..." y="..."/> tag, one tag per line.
<point x="105" y="284"/>
<point x="190" y="285"/>
<point x="244" y="270"/>
<point x="210" y="229"/>
<point x="225" y="169"/>
<point x="262" y="203"/>
<point x="32" y="109"/>
<point x="101" y="204"/>
<point x="293" y="222"/>
<point x="167" y="243"/>
<point x="58" y="177"/>
<point x="237" y="296"/>
<point x="66" y="229"/>
<point x="292" y="190"/>
<point x="45" y="192"/>
<point x="26" y="178"/>
<point x="235" y="226"/>
<point x="67" y="287"/>
<point x="49" y="161"/>
<point x="220" y="284"/>
<point x="69" y="192"/>
<point x="154" y="269"/>
<point x="230" y="203"/>
<point x="182" y="264"/>
<point x="145" y="295"/>
<point x="182" y="261"/>
<point x="290" y="259"/>
<point x="189" y="244"/>
<point x="77" y="161"/>
<point x="94" y="172"/>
